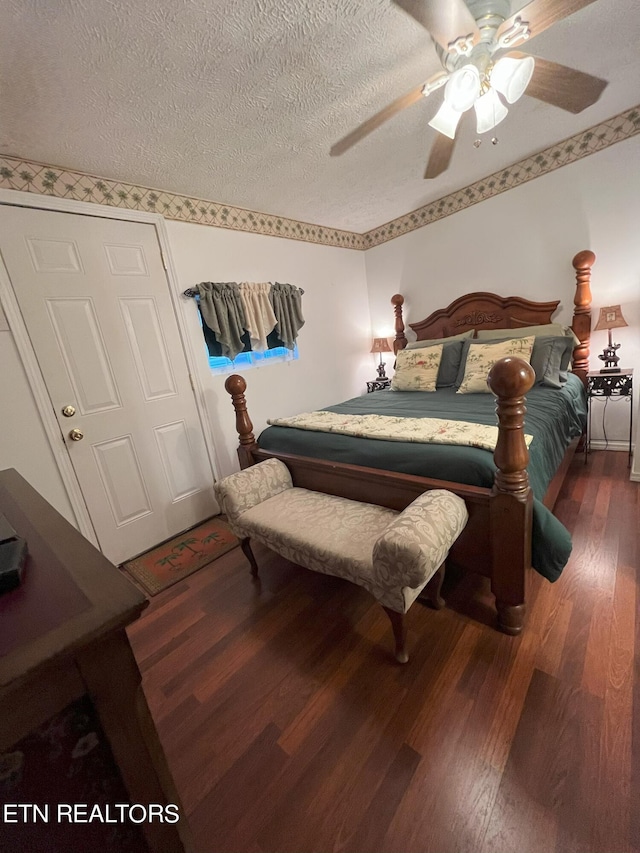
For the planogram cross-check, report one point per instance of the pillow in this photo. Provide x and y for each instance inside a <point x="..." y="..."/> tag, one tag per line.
<point x="449" y="364"/>
<point x="417" y="369"/>
<point x="550" y="359"/>
<point x="480" y="358"/>
<point x="463" y="336"/>
<point x="548" y="330"/>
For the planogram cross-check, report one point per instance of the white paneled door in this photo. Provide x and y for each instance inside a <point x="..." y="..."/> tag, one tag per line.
<point x="95" y="299"/>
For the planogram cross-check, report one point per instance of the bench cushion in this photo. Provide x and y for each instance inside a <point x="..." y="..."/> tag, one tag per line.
<point x="325" y="533"/>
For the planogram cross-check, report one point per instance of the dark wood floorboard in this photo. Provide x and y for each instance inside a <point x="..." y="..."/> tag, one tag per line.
<point x="289" y="728"/>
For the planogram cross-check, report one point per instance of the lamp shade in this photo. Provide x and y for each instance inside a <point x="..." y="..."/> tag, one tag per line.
<point x="446" y="120"/>
<point x="380" y="345"/>
<point x="610" y="318"/>
<point x="463" y="87"/>
<point x="489" y="111"/>
<point x="512" y="76"/>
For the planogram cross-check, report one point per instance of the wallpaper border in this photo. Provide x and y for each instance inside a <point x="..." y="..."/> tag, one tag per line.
<point x="596" y="138"/>
<point x="29" y="176"/>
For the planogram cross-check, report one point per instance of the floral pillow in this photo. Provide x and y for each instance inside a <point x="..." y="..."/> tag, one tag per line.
<point x="417" y="369"/>
<point x="482" y="355"/>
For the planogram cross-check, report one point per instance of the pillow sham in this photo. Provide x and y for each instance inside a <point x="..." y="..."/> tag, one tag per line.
<point x="480" y="357"/>
<point x="548" y="330"/>
<point x="417" y="369"/>
<point x="463" y="336"/>
<point x="550" y="359"/>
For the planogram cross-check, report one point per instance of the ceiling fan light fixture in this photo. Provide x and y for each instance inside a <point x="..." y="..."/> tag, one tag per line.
<point x="446" y="120"/>
<point x="490" y="111"/>
<point x="462" y="89"/>
<point x="512" y="76"/>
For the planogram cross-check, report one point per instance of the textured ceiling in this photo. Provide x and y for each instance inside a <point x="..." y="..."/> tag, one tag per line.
<point x="240" y="101"/>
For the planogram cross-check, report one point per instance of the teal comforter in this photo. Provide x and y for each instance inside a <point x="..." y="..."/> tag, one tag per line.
<point x="554" y="418"/>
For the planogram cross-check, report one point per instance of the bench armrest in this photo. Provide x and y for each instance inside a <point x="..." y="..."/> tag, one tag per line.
<point x="415" y="544"/>
<point x="240" y="492"/>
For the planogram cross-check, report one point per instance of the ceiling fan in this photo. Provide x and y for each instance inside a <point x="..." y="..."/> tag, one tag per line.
<point x="474" y="41"/>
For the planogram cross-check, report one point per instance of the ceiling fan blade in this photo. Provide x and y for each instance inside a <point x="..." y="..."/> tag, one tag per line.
<point x="440" y="156"/>
<point x="385" y="114"/>
<point x="446" y="20"/>
<point x="563" y="87"/>
<point x="541" y="14"/>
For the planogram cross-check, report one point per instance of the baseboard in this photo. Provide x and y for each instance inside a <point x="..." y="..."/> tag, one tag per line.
<point x="635" y="477"/>
<point x="601" y="444"/>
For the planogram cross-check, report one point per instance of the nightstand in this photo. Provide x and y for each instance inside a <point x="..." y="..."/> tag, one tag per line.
<point x="378" y="385"/>
<point x="606" y="385"/>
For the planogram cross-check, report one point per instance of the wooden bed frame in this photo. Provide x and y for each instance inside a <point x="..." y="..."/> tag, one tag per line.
<point x="497" y="539"/>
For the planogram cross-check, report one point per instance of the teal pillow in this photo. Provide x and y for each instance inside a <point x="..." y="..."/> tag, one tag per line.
<point x="449" y="364"/>
<point x="549" y="358"/>
<point x="463" y="336"/>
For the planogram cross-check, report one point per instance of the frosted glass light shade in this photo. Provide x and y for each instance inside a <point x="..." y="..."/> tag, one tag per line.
<point x="462" y="88"/>
<point x="446" y="120"/>
<point x="489" y="111"/>
<point x="512" y="76"/>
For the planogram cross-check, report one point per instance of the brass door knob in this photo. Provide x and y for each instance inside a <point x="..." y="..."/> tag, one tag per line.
<point x="76" y="435"/>
<point x="68" y="411"/>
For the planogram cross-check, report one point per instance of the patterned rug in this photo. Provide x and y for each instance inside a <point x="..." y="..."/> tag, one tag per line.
<point x="174" y="560"/>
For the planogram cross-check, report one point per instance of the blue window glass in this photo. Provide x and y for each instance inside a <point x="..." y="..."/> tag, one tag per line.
<point x="220" y="364"/>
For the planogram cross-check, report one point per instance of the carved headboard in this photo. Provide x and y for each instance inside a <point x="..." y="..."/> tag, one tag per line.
<point x="490" y="311"/>
<point x="484" y="310"/>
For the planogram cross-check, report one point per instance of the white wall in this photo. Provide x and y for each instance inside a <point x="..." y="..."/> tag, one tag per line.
<point x="334" y="362"/>
<point x="521" y="243"/>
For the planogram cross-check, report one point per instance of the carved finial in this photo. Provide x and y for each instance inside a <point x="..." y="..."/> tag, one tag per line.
<point x="397" y="300"/>
<point x="581" y="325"/>
<point x="584" y="260"/>
<point x="510" y="378"/>
<point x="236" y="386"/>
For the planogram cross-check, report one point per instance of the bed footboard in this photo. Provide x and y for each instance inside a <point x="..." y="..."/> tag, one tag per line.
<point x="497" y="539"/>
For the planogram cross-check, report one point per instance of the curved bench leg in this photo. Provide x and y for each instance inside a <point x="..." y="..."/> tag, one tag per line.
<point x="431" y="593"/>
<point x="399" y="633"/>
<point x="245" y="544"/>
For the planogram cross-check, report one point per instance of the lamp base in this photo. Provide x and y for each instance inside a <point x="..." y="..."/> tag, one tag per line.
<point x="380" y="369"/>
<point x="610" y="358"/>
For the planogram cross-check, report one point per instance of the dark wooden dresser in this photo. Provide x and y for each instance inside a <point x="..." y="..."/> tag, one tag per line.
<point x="74" y="722"/>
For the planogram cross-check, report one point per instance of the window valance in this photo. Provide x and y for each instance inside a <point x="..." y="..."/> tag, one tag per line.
<point x="248" y="316"/>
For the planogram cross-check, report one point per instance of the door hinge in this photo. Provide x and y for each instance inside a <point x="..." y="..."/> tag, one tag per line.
<point x="193" y="384"/>
<point x="164" y="260"/>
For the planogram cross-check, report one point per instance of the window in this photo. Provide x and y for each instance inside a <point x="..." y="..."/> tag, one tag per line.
<point x="251" y="359"/>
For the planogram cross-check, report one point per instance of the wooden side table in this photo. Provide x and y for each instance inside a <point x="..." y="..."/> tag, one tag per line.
<point x="607" y="385"/>
<point x="64" y="658"/>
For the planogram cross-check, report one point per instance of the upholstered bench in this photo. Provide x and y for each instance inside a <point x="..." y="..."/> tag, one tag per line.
<point x="393" y="555"/>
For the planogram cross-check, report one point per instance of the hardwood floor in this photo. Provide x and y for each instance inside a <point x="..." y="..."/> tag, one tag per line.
<point x="289" y="728"/>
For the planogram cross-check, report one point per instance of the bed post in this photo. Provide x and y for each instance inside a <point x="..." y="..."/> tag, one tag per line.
<point x="511" y="503"/>
<point x="581" y="324"/>
<point x="236" y="386"/>
<point x="397" y="300"/>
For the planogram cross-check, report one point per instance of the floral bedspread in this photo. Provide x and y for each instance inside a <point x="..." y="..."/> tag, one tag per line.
<point x="387" y="428"/>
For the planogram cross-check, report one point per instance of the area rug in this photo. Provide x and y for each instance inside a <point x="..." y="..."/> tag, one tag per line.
<point x="179" y="557"/>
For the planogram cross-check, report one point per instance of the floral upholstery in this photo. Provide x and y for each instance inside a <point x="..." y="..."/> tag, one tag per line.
<point x="414" y="546"/>
<point x="239" y="492"/>
<point x="482" y="355"/>
<point x="392" y="555"/>
<point x="417" y="369"/>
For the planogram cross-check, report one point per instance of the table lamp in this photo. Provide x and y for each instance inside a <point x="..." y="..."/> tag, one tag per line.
<point x="610" y="318"/>
<point x="381" y="345"/>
